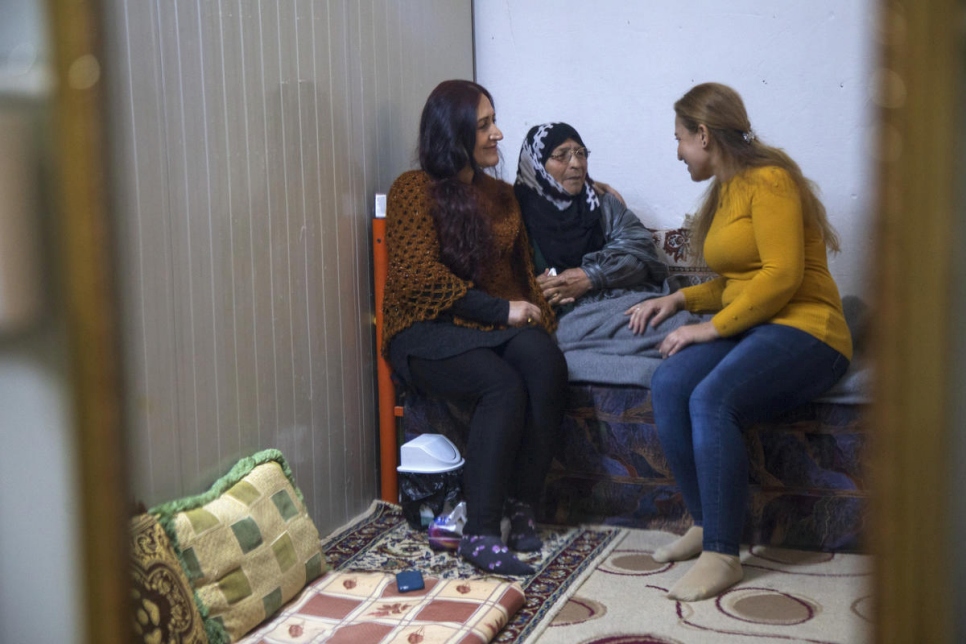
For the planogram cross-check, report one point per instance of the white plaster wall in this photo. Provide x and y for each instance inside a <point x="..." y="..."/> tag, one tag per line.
<point x="613" y="70"/>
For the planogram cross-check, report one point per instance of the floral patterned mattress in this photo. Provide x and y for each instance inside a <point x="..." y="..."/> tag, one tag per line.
<point x="808" y="487"/>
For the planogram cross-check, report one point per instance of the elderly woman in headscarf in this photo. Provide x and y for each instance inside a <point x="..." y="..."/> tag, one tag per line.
<point x="594" y="259"/>
<point x="588" y="241"/>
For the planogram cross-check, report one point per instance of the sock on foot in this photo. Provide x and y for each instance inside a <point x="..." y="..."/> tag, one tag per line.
<point x="523" y="535"/>
<point x="686" y="547"/>
<point x="712" y="573"/>
<point x="488" y="553"/>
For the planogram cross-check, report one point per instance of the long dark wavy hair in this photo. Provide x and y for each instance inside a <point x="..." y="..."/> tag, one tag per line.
<point x="720" y="109"/>
<point x="447" y="138"/>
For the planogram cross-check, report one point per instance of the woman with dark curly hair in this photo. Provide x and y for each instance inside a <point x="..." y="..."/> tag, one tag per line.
<point x="465" y="320"/>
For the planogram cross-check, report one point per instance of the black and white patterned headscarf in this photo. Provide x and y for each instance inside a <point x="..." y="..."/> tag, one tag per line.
<point x="563" y="226"/>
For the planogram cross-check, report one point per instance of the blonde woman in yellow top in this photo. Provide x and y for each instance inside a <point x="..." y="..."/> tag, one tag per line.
<point x="777" y="338"/>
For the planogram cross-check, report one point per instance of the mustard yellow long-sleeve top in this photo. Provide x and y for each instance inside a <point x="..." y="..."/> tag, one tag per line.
<point x="772" y="265"/>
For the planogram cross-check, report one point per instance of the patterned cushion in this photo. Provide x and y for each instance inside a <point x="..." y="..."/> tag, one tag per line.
<point x="351" y="607"/>
<point x="674" y="249"/>
<point x="247" y="545"/>
<point x="164" y="606"/>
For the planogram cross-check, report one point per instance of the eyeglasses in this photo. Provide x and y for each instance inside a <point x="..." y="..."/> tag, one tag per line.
<point x="564" y="155"/>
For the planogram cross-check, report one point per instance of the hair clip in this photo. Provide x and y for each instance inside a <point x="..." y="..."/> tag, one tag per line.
<point x="749" y="136"/>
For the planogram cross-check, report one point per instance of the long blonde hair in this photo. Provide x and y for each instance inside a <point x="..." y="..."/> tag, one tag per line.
<point x="720" y="109"/>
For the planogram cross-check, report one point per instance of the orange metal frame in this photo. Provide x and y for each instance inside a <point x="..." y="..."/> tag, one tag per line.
<point x="389" y="411"/>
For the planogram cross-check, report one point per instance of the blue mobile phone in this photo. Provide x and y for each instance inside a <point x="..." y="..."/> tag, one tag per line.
<point x="408" y="580"/>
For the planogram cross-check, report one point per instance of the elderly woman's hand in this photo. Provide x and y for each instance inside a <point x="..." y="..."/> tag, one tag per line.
<point x="566" y="287"/>
<point x="523" y="313"/>
<point x="655" y="310"/>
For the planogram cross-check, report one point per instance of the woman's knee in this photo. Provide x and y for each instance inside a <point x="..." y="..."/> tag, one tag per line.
<point x="707" y="404"/>
<point x="536" y="355"/>
<point x="507" y="385"/>
<point x="669" y="381"/>
<point x="555" y="366"/>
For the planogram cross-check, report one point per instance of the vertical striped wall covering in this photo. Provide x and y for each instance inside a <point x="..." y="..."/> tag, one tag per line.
<point x="249" y="137"/>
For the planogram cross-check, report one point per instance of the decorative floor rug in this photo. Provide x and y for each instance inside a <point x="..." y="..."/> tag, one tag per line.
<point x="382" y="540"/>
<point x="785" y="596"/>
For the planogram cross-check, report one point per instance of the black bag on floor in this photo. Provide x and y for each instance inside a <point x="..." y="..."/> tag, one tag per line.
<point x="424" y="496"/>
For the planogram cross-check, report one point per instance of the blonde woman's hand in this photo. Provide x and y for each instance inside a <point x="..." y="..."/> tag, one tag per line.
<point x="653" y="311"/>
<point x="523" y="313"/>
<point x="685" y="335"/>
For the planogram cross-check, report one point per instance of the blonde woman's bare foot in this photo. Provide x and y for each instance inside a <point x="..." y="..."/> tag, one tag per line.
<point x="712" y="573"/>
<point x="686" y="547"/>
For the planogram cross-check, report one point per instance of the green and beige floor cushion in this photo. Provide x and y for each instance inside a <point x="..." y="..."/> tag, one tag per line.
<point x="247" y="545"/>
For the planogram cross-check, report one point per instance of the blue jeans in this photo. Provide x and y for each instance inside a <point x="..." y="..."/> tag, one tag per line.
<point x="706" y="393"/>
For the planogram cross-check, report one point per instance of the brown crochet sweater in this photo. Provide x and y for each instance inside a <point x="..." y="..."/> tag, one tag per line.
<point x="419" y="286"/>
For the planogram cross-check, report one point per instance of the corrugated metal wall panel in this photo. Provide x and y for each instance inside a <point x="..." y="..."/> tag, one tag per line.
<point x="250" y="137"/>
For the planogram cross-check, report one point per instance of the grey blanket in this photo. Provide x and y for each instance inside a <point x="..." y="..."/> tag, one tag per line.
<point x="600" y="348"/>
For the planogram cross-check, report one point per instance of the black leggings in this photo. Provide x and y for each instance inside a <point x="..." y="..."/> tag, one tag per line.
<point x="519" y="389"/>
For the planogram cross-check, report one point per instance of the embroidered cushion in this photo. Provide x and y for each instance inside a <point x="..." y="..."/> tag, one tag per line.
<point x="674" y="249"/>
<point x="164" y="604"/>
<point x="247" y="545"/>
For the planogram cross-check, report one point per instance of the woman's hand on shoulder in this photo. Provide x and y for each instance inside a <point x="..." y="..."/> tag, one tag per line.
<point x="604" y="188"/>
<point x="685" y="335"/>
<point x="654" y="310"/>
<point x="523" y="313"/>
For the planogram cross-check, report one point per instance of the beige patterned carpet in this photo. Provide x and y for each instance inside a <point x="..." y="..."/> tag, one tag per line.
<point x="786" y="596"/>
<point x="381" y="540"/>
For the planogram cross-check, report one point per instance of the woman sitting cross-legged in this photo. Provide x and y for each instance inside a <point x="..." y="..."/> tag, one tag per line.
<point x="464" y="320"/>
